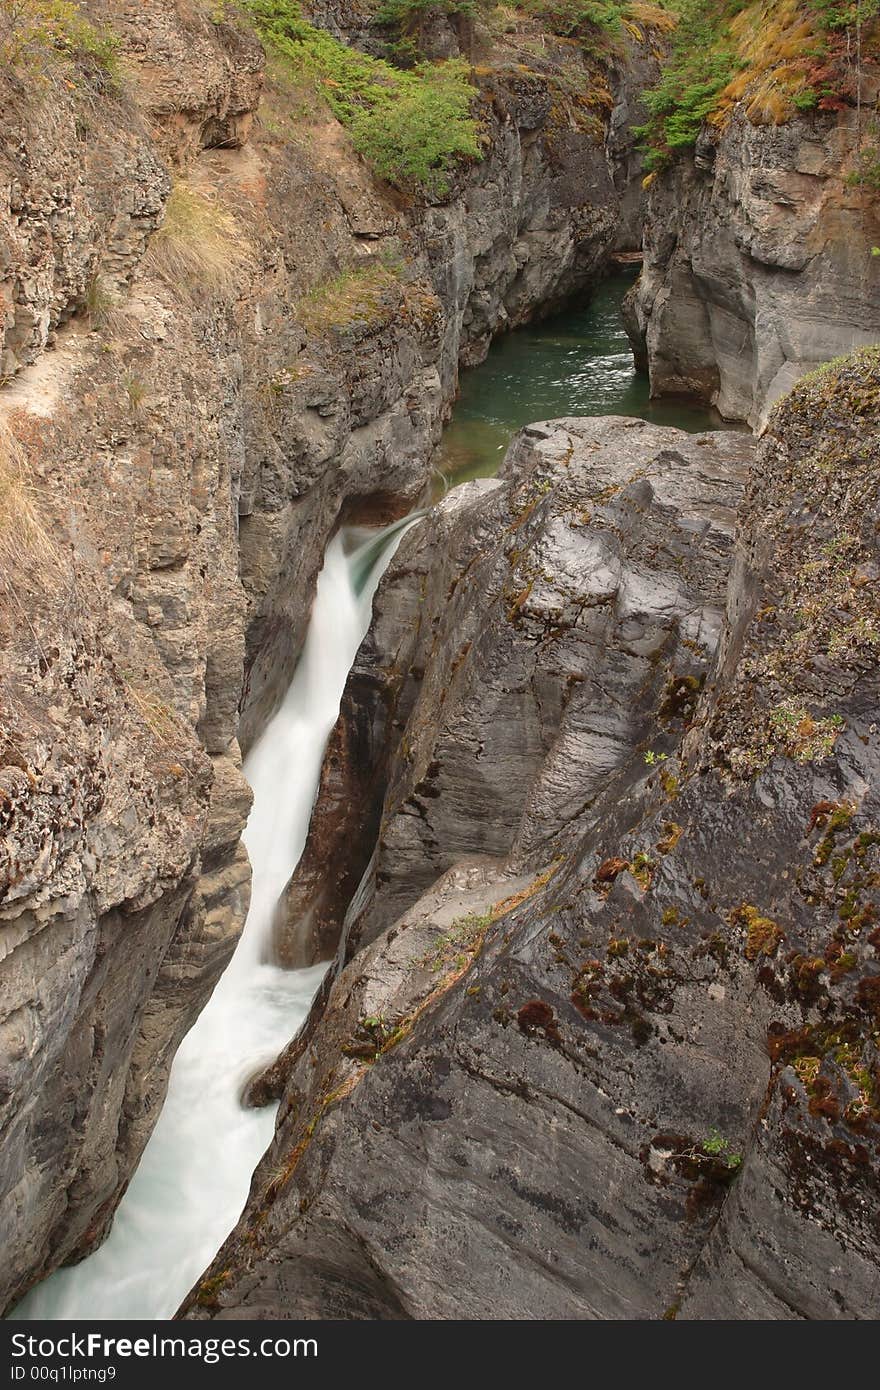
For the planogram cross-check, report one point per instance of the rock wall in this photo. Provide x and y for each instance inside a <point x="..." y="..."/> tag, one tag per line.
<point x="219" y="338"/>
<point x="758" y="262"/>
<point x="522" y="643"/>
<point x="122" y="881"/>
<point x="642" y="1082"/>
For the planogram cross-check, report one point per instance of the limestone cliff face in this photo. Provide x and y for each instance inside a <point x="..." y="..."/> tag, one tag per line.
<point x="643" y="1081"/>
<point x="758" y="262"/>
<point x="218" y="339"/>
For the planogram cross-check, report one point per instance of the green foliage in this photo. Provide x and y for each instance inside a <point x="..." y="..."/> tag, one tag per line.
<point x="716" y="1146"/>
<point x="406" y="12"/>
<point x="702" y="62"/>
<point x="413" y="138"/>
<point x="807" y="100"/>
<point x="579" y="18"/>
<point x="37" y="36"/>
<point x="456" y="948"/>
<point x="800" y="735"/>
<point x="413" y="128"/>
<point x="866" y="174"/>
<point x="839" y="15"/>
<point x="404" y="17"/>
<point x="778" y="57"/>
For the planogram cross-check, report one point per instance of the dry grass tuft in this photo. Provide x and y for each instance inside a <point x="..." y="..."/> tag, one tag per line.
<point x="164" y="724"/>
<point x="651" y="16"/>
<point x="775" y="44"/>
<point x="28" y="555"/>
<point x="200" y="244"/>
<point x="136" y="390"/>
<point x="369" y="294"/>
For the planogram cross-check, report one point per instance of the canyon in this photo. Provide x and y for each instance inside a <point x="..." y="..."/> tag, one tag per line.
<point x="595" y="846"/>
<point x="592" y="1070"/>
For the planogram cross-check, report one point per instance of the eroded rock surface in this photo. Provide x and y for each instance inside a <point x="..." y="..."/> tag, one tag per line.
<point x="527" y="638"/>
<point x="758" y="262"/>
<point x="645" y="1082"/>
<point x="218" y="338"/>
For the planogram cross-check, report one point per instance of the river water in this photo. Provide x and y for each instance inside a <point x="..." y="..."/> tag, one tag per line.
<point x="194" y="1176"/>
<point x="577" y="363"/>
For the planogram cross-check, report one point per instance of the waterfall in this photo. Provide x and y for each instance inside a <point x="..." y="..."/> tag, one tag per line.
<point x="193" y="1178"/>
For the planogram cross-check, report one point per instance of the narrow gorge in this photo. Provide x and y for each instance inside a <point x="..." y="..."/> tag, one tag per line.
<point x="555" y="990"/>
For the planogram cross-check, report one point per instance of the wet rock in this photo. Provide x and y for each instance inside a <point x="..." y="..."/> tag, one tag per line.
<point x="643" y="1093"/>
<point x="526" y="639"/>
<point x="193" y="428"/>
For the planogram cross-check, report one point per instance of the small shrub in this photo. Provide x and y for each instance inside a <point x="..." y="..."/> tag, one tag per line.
<point x="840" y="15"/>
<point x="799" y="735"/>
<point x="98" y="301"/>
<point x="806" y="100"/>
<point x="136" y="391"/>
<point x="866" y="173"/>
<point x="716" y="1146"/>
<point x="700" y="65"/>
<point x="456" y="948"/>
<point x="583" y="19"/>
<point x="406" y="13"/>
<point x="413" y="137"/>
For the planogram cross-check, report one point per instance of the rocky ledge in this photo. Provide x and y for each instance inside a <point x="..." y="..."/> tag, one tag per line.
<point x="623" y="1062"/>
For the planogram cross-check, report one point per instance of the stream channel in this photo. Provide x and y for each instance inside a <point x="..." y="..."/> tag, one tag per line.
<point x="193" y="1178"/>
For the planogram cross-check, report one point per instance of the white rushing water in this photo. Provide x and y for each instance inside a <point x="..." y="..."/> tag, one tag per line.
<point x="193" y="1178"/>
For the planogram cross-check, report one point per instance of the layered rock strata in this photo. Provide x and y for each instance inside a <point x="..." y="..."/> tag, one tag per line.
<point x="642" y="1081"/>
<point x="198" y="387"/>
<point x="758" y="261"/>
<point x="521" y="646"/>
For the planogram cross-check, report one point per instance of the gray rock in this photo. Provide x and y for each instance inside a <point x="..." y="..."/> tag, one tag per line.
<point x="758" y="263"/>
<point x="643" y="1085"/>
<point x="523" y="640"/>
